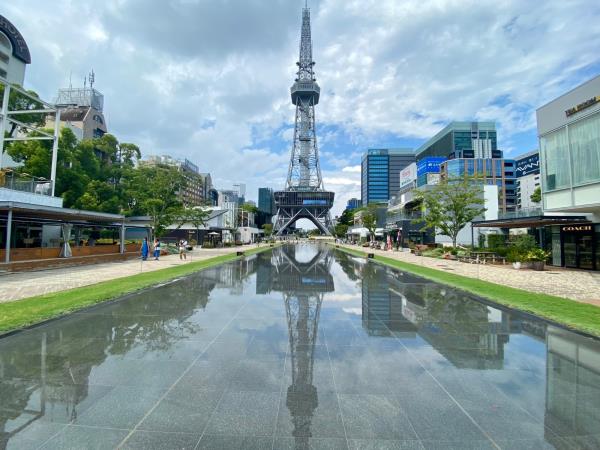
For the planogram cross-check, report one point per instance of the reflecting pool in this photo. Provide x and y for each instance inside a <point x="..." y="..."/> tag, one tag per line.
<point x="296" y="348"/>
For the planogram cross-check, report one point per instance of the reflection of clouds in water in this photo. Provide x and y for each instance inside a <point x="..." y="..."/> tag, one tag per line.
<point x="355" y="311"/>
<point x="335" y="297"/>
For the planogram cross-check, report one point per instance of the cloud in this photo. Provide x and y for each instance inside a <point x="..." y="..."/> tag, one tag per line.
<point x="210" y="80"/>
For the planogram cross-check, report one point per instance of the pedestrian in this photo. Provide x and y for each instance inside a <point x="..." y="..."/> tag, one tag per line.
<point x="182" y="249"/>
<point x="145" y="249"/>
<point x="156" y="249"/>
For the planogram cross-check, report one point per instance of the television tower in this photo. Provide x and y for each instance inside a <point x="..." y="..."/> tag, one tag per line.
<point x="304" y="196"/>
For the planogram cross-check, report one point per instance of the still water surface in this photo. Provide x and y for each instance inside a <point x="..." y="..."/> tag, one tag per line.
<point x="299" y="348"/>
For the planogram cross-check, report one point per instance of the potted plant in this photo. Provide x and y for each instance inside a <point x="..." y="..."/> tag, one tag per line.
<point x="537" y="257"/>
<point x="514" y="256"/>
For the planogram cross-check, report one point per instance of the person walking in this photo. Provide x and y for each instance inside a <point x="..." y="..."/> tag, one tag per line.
<point x="182" y="249"/>
<point x="156" y="249"/>
<point x="145" y="248"/>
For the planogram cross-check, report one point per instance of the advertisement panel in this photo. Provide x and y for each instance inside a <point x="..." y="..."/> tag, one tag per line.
<point x="528" y="165"/>
<point x="408" y="175"/>
<point x="429" y="165"/>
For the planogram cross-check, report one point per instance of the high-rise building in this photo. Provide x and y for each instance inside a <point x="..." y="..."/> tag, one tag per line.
<point x="82" y="111"/>
<point x="493" y="171"/>
<point x="380" y="173"/>
<point x="14" y="53"/>
<point x="192" y="193"/>
<point x="527" y="168"/>
<point x="353" y="203"/>
<point x="462" y="140"/>
<point x="266" y="201"/>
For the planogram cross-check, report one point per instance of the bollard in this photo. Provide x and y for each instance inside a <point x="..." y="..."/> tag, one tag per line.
<point x="370" y="255"/>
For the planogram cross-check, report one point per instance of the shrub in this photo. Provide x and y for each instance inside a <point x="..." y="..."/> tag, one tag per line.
<point x="496" y="241"/>
<point x="537" y="254"/>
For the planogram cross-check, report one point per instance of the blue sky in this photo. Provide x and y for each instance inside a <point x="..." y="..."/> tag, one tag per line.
<point x="209" y="79"/>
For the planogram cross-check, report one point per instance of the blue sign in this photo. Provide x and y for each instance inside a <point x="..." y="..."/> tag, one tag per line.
<point x="528" y="165"/>
<point x="429" y="165"/>
<point x="314" y="202"/>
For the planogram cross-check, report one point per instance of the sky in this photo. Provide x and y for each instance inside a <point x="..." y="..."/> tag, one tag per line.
<point x="209" y="80"/>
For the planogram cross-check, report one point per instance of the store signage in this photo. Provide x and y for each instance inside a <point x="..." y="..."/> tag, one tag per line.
<point x="429" y="165"/>
<point x="576" y="228"/>
<point x="528" y="165"/>
<point x="592" y="101"/>
<point x="19" y="46"/>
<point x="408" y="174"/>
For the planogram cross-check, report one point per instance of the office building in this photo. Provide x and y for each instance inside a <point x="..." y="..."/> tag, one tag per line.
<point x="14" y="53"/>
<point x="569" y="133"/>
<point x="462" y="140"/>
<point x="192" y="193"/>
<point x="380" y="173"/>
<point x="528" y="179"/>
<point x="353" y="203"/>
<point x="81" y="112"/>
<point x="499" y="172"/>
<point x="266" y="201"/>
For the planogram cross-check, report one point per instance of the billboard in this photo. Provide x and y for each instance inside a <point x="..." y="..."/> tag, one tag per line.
<point x="429" y="165"/>
<point x="528" y="165"/>
<point x="408" y="175"/>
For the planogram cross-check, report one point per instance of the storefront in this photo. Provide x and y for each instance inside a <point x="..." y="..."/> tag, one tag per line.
<point x="580" y="246"/>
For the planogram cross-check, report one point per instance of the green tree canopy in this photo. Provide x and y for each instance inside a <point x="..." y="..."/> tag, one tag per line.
<point x="449" y="206"/>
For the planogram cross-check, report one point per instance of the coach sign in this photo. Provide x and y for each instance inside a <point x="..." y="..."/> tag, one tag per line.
<point x="577" y="228"/>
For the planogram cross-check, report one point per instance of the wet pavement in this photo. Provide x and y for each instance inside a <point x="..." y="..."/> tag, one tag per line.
<point x="296" y="348"/>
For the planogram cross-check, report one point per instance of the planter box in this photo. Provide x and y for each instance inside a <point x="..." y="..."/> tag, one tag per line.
<point x="537" y="265"/>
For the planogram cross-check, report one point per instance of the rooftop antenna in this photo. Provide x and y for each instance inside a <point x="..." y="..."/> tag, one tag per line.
<point x="70" y="79"/>
<point x="84" y="82"/>
<point x="92" y="79"/>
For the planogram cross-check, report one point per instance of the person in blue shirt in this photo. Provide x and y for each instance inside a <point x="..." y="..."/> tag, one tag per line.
<point x="145" y="249"/>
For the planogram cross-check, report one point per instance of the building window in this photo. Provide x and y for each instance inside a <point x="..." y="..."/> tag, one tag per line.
<point x="4" y="42"/>
<point x="4" y="57"/>
<point x="2" y="73"/>
<point x="584" y="137"/>
<point x="556" y="160"/>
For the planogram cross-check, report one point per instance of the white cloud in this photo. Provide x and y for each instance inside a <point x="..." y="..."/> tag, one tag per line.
<point x="210" y="80"/>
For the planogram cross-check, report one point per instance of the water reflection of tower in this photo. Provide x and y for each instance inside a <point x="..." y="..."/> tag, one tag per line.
<point x="303" y="276"/>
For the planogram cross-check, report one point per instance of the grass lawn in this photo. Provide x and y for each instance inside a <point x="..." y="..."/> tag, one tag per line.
<point x="578" y="316"/>
<point x="28" y="311"/>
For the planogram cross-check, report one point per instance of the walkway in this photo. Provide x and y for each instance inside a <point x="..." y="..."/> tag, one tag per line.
<point x="578" y="285"/>
<point x="15" y="286"/>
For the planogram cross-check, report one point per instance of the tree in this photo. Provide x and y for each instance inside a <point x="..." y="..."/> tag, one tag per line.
<point x="153" y="191"/>
<point x="347" y="217"/>
<point x="451" y="205"/>
<point x="268" y="228"/>
<point x="340" y="230"/>
<point x="536" y="197"/>
<point x="369" y="220"/>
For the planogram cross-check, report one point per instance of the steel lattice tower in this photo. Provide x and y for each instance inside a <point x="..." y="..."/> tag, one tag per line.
<point x="304" y="196"/>
<point x="303" y="285"/>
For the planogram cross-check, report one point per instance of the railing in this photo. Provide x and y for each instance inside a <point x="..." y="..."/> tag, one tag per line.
<point x="397" y="216"/>
<point x="25" y="183"/>
<point x="525" y="212"/>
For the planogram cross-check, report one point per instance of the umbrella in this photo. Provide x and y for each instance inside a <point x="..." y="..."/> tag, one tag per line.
<point x="213" y="233"/>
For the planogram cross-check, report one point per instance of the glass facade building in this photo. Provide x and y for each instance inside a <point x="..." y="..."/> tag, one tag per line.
<point x="462" y="140"/>
<point x="569" y="134"/>
<point x="500" y="172"/>
<point x="380" y="173"/>
<point x="266" y="201"/>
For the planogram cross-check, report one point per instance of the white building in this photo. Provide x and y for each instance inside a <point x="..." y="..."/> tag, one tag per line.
<point x="14" y="53"/>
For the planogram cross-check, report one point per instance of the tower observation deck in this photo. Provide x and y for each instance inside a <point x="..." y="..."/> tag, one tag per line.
<point x="304" y="196"/>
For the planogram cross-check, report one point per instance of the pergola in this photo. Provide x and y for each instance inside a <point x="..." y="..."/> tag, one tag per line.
<point x="29" y="213"/>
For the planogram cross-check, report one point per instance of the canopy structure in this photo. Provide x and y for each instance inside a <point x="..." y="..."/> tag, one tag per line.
<point x="535" y="221"/>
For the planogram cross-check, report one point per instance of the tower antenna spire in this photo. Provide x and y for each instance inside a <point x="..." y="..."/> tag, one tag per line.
<point x="304" y="195"/>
